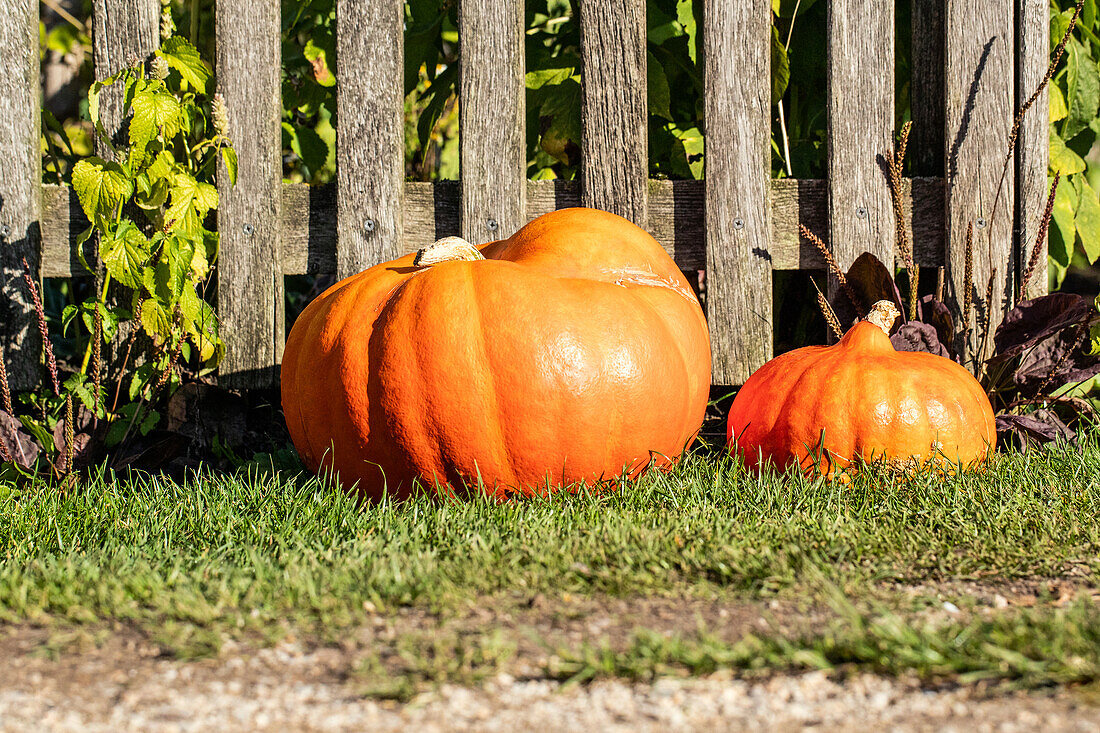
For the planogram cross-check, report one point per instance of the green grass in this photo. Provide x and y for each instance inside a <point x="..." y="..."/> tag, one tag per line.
<point x="225" y="555"/>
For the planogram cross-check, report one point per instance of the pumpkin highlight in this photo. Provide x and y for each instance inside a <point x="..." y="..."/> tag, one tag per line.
<point x="826" y="408"/>
<point x="574" y="350"/>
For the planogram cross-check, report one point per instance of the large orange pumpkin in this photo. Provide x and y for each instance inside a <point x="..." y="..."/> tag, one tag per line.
<point x="825" y="407"/>
<point x="573" y="350"/>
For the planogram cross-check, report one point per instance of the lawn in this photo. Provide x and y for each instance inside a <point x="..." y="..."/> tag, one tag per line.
<point x="701" y="568"/>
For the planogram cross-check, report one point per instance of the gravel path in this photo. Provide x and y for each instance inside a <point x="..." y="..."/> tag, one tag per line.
<point x="287" y="688"/>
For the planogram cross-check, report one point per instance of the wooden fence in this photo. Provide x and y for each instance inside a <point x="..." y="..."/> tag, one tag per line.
<point x="973" y="66"/>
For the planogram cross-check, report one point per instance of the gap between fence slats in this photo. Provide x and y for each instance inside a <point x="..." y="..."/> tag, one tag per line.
<point x="492" y="100"/>
<point x="370" y="136"/>
<point x="614" y="137"/>
<point x="860" y="112"/>
<point x="980" y="98"/>
<point x="20" y="174"/>
<point x="250" y="280"/>
<point x="737" y="77"/>
<point x="926" y="147"/>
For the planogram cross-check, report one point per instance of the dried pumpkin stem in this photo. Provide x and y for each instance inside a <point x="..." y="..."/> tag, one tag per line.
<point x="448" y="249"/>
<point x="883" y="314"/>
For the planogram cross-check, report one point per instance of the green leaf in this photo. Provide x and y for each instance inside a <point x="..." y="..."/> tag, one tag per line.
<point x="173" y="267"/>
<point x="1082" y="89"/>
<point x="1062" y="159"/>
<point x="100" y="186"/>
<point x="1094" y="332"/>
<point x="1087" y="221"/>
<point x="1058" y="109"/>
<point x="1063" y="232"/>
<point x="310" y="148"/>
<point x="93" y="107"/>
<point x="786" y="8"/>
<point x="686" y="13"/>
<point x="184" y="58"/>
<point x="155" y="320"/>
<point x="124" y="254"/>
<point x="229" y="156"/>
<point x="155" y="112"/>
<point x="38" y="431"/>
<point x="781" y="68"/>
<point x="318" y="60"/>
<point x="191" y="200"/>
<point x="660" y="98"/>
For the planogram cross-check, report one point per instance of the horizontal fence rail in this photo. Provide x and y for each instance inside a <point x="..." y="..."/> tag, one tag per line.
<point x="972" y="67"/>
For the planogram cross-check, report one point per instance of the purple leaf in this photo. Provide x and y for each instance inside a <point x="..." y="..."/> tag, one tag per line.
<point x="938" y="315"/>
<point x="1034" y="320"/>
<point x="1059" y="358"/>
<point x="1041" y="426"/>
<point x="917" y="336"/>
<point x="18" y="443"/>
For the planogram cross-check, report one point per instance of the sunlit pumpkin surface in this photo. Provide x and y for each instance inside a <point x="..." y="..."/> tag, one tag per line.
<point x="825" y="407"/>
<point x="575" y="350"/>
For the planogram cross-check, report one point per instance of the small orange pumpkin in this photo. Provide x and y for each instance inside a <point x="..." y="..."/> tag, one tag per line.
<point x="825" y="407"/>
<point x="573" y="350"/>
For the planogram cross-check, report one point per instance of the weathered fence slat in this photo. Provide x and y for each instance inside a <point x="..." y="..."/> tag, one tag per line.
<point x="250" y="280"/>
<point x="980" y="98"/>
<point x="20" y="193"/>
<point x="492" y="100"/>
<point x="370" y="135"/>
<point x="1032" y="149"/>
<point x="308" y="229"/>
<point x="122" y="30"/>
<point x="925" y="153"/>
<point x="860" y="111"/>
<point x="738" y="259"/>
<point x="614" y="136"/>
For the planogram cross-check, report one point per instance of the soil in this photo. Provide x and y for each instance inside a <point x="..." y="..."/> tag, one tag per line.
<point x="116" y="678"/>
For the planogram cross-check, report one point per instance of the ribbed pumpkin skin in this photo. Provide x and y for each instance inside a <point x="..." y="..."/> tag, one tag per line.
<point x="575" y="349"/>
<point x="871" y="401"/>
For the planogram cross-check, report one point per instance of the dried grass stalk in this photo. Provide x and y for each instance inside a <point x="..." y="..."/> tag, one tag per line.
<point x="901" y="234"/>
<point x="5" y="388"/>
<point x="1037" y="248"/>
<point x="968" y="276"/>
<point x="70" y="438"/>
<point x="827" y="312"/>
<point x="834" y="268"/>
<point x="51" y="362"/>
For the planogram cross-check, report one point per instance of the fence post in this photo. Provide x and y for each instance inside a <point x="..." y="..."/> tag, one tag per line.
<point x="20" y="188"/>
<point x="122" y="30"/>
<point x="860" y="124"/>
<point x="737" y="184"/>
<point x="980" y="97"/>
<point x="250" y="278"/>
<point x="614" y="135"/>
<point x="1032" y="148"/>
<point x="493" y="126"/>
<point x="370" y="133"/>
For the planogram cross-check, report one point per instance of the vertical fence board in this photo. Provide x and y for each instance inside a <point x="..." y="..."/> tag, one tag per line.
<point x="123" y="30"/>
<point x="250" y="291"/>
<point x="860" y="109"/>
<point x="614" y="137"/>
<point x="980" y="98"/>
<point x="1032" y="151"/>
<point x="20" y="187"/>
<point x="492" y="103"/>
<point x="925" y="152"/>
<point x="370" y="132"/>
<point x="737" y="184"/>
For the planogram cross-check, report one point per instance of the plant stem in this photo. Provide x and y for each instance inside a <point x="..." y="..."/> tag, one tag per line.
<point x="102" y="301"/>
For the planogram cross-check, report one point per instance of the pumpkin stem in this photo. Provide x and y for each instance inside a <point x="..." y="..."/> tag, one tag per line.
<point x="448" y="249"/>
<point x="883" y="314"/>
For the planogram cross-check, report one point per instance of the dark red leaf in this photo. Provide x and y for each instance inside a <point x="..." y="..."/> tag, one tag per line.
<point x="938" y="315"/>
<point x="19" y="444"/>
<point x="1041" y="426"/>
<point x="1034" y="320"/>
<point x="917" y="336"/>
